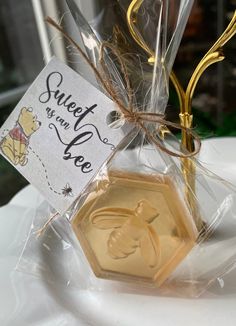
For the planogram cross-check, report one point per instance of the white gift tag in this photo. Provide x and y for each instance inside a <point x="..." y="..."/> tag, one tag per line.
<point x="57" y="137"/>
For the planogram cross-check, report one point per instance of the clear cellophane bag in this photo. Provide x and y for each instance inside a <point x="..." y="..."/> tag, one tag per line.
<point x="153" y="219"/>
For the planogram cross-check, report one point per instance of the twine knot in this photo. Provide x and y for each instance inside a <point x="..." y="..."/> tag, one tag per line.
<point x="132" y="117"/>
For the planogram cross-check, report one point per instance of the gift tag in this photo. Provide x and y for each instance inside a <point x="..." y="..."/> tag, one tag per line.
<point x="58" y="137"/>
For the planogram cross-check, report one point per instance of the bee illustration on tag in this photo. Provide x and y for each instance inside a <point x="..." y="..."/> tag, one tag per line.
<point x="67" y="191"/>
<point x="132" y="230"/>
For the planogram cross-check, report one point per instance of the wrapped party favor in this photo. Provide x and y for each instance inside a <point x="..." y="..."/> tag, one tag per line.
<point x="139" y="220"/>
<point x="135" y="225"/>
<point x="151" y="215"/>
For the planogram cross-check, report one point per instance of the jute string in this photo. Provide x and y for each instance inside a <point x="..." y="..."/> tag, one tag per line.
<point x="129" y="113"/>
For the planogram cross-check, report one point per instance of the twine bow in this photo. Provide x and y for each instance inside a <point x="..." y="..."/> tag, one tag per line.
<point x="128" y="113"/>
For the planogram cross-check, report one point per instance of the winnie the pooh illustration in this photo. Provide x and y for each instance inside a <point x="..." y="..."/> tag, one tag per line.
<point x="14" y="145"/>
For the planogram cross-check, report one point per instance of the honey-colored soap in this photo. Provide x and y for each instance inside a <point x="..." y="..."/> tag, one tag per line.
<point x="134" y="227"/>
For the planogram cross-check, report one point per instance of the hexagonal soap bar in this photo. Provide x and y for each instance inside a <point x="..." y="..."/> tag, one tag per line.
<point x="134" y="227"/>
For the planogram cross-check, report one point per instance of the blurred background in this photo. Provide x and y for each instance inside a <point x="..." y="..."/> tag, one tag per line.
<point x="26" y="44"/>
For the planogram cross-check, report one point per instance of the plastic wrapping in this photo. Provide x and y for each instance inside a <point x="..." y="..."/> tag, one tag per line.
<point x="141" y="222"/>
<point x="57" y="255"/>
<point x="159" y="25"/>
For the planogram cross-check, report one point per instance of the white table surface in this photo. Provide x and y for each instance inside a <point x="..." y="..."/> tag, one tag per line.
<point x="27" y="300"/>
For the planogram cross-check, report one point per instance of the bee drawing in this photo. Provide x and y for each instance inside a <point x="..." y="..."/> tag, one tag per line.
<point x="67" y="191"/>
<point x="132" y="230"/>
